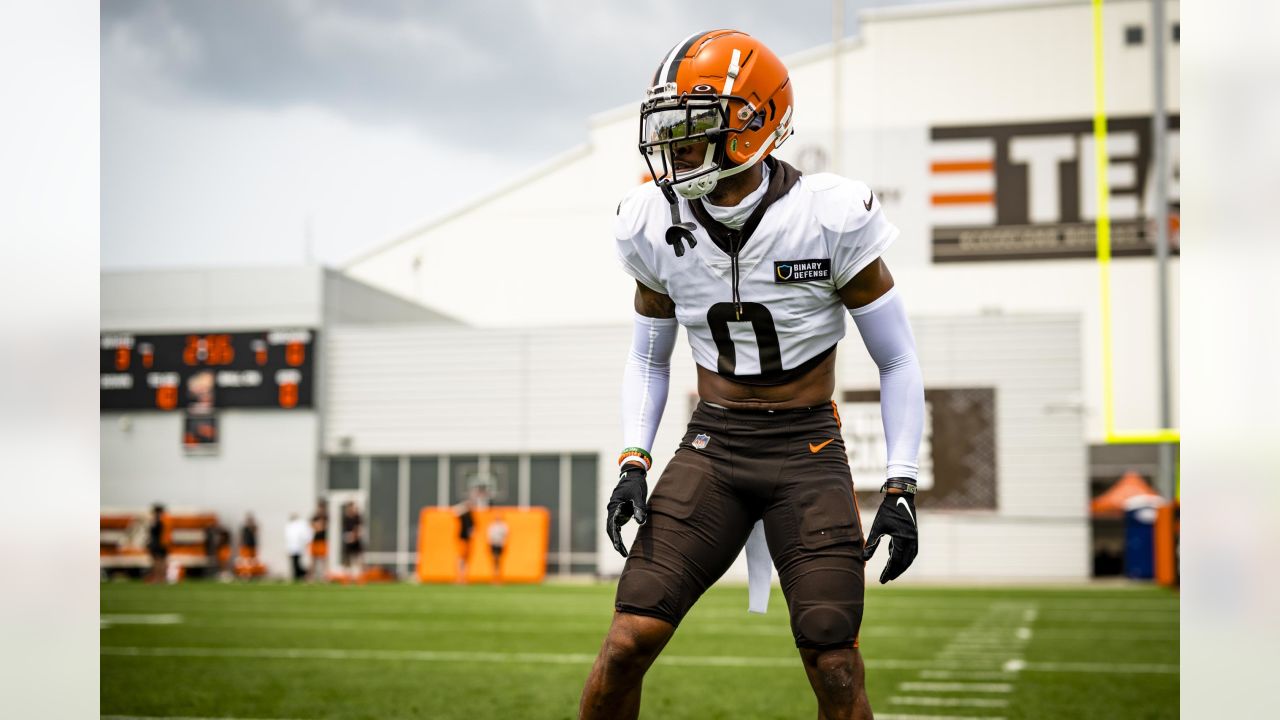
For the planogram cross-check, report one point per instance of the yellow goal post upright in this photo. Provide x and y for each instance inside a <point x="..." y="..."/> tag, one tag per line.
<point x="1103" y="231"/>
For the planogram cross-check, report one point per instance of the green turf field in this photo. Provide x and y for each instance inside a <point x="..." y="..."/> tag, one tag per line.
<point x="206" y="650"/>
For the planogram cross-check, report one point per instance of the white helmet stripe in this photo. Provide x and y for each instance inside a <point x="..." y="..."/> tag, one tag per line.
<point x="732" y="74"/>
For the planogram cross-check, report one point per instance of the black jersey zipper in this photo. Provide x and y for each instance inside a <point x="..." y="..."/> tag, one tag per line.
<point x="735" y="239"/>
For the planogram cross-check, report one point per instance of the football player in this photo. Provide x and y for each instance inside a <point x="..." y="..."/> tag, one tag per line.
<point x="760" y="265"/>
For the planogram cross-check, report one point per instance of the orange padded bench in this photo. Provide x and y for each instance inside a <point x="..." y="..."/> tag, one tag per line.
<point x="524" y="559"/>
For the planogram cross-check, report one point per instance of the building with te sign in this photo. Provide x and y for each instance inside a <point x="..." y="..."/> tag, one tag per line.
<point x="971" y="122"/>
<point x="946" y="111"/>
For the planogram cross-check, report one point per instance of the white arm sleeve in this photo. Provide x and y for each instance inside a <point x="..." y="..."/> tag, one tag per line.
<point x="646" y="379"/>
<point x="887" y="335"/>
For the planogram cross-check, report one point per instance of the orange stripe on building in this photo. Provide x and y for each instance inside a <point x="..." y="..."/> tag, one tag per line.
<point x="962" y="166"/>
<point x="964" y="199"/>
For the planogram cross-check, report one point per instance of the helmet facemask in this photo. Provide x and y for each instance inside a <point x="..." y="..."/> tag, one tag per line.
<point x="683" y="142"/>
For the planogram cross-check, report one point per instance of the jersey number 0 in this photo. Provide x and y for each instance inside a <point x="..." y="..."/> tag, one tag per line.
<point x="718" y="318"/>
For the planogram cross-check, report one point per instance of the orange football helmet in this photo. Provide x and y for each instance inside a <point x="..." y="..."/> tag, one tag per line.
<point x="720" y="102"/>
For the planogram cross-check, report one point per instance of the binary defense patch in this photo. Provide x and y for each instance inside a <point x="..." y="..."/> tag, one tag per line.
<point x="797" y="271"/>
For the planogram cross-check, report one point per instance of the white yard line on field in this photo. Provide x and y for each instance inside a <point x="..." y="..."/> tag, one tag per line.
<point x="107" y="621"/>
<point x="558" y="658"/>
<point x="967" y="675"/>
<point x="749" y="626"/>
<point x="956" y="687"/>
<point x="1101" y="668"/>
<point x="177" y="717"/>
<point x="929" y="701"/>
<point x="895" y="716"/>
<point x="986" y="648"/>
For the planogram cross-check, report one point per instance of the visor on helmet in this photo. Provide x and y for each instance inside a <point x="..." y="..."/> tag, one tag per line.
<point x="681" y="144"/>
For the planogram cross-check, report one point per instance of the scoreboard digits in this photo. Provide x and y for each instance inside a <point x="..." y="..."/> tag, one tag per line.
<point x="256" y="369"/>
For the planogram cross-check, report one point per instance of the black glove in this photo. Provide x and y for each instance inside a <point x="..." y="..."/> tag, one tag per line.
<point x="628" y="501"/>
<point x="897" y="519"/>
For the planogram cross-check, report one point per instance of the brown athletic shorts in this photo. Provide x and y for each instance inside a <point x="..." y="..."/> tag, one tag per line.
<point x="734" y="467"/>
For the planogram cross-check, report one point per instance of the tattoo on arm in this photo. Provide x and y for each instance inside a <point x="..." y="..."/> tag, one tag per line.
<point x="651" y="303"/>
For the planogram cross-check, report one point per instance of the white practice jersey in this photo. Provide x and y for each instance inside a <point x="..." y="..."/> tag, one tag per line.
<point x="809" y="242"/>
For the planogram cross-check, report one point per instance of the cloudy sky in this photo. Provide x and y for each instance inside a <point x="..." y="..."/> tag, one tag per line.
<point x="234" y="130"/>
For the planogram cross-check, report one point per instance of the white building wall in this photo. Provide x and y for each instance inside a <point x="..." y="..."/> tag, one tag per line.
<point x="546" y="236"/>
<point x="219" y="299"/>
<point x="267" y="459"/>
<point x="266" y="464"/>
<point x="418" y="390"/>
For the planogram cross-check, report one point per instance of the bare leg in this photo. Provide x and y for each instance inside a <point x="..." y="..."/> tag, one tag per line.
<point x="838" y="679"/>
<point x="613" y="687"/>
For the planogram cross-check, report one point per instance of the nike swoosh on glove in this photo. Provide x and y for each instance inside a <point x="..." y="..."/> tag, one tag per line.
<point x="629" y="500"/>
<point x="896" y="519"/>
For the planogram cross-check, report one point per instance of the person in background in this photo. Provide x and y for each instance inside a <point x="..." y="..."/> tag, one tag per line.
<point x="466" y="526"/>
<point x="211" y="548"/>
<point x="156" y="546"/>
<point x="352" y="547"/>
<point x="249" y="537"/>
<point x="297" y="536"/>
<point x="497" y="543"/>
<point x="319" y="541"/>
<point x="223" y="540"/>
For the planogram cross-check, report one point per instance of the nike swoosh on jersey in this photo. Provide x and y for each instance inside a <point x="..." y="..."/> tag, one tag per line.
<point x="867" y="203"/>
<point x="815" y="448"/>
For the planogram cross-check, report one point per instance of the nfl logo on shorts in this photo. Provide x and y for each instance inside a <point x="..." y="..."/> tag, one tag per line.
<point x="701" y="441"/>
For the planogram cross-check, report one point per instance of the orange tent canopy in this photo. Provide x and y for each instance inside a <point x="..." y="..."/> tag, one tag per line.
<point x="1111" y="503"/>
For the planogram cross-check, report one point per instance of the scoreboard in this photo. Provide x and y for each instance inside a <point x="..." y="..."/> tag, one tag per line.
<point x="207" y="370"/>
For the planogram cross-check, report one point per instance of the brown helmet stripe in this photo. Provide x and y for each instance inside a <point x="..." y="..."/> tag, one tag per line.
<point x="672" y="60"/>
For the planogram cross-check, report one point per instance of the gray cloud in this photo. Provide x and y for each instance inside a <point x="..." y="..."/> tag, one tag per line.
<point x="512" y="77"/>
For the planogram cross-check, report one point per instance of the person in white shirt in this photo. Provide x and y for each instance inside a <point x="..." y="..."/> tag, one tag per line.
<point x="297" y="536"/>
<point x="497" y="543"/>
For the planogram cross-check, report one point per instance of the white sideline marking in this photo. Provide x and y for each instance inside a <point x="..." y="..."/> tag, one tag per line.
<point x="1015" y="665"/>
<point x="575" y="658"/>
<point x="882" y="716"/>
<point x="175" y="717"/>
<point x="107" y="621"/>
<point x="1137" y="668"/>
<point x="980" y="655"/>
<point x="950" y="702"/>
<point x="956" y="687"/>
<point x="967" y="675"/>
<point x="750" y="627"/>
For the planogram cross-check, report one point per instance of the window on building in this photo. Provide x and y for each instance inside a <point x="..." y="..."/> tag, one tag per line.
<point x="1133" y="35"/>
<point x="504" y="480"/>
<point x="344" y="473"/>
<point x="424" y="491"/>
<point x="382" y="516"/>
<point x="464" y="472"/>
<point x="584" y="512"/>
<point x="544" y="491"/>
<point x="399" y="487"/>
